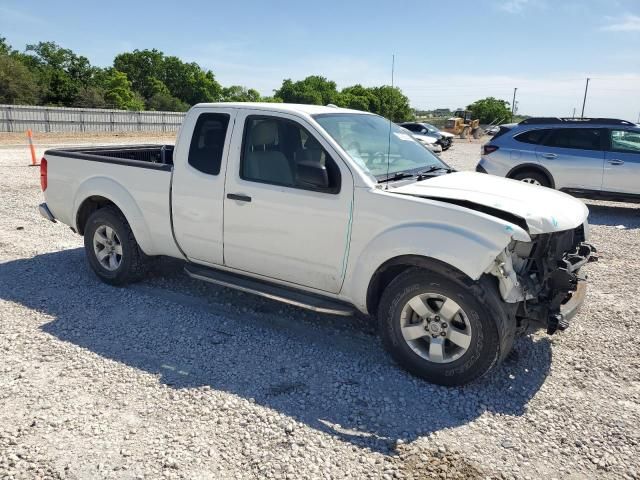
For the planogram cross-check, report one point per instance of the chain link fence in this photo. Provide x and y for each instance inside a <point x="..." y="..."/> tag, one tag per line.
<point x="19" y="118"/>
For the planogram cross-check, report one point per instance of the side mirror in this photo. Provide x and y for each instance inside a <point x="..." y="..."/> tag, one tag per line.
<point x="312" y="174"/>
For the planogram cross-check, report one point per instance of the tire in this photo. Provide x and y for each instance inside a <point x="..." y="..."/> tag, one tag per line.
<point x="533" y="177"/>
<point x="129" y="265"/>
<point x="489" y="332"/>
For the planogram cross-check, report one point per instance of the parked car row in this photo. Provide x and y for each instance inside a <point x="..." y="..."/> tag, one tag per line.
<point x="591" y="157"/>
<point x="427" y="133"/>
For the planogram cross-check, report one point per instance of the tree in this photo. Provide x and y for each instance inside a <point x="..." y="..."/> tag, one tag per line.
<point x="167" y="103"/>
<point x="238" y="93"/>
<point x="140" y="66"/>
<point x="189" y="82"/>
<point x="119" y="93"/>
<point x="61" y="72"/>
<point x="314" y="90"/>
<point x="5" y="48"/>
<point x="17" y="84"/>
<point x="490" y="109"/>
<point x="358" y="98"/>
<point x="392" y="104"/>
<point x="90" y="97"/>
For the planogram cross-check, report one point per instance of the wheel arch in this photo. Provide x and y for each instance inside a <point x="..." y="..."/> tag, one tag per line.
<point x="99" y="192"/>
<point x="395" y="266"/>
<point x="468" y="250"/>
<point x="535" y="167"/>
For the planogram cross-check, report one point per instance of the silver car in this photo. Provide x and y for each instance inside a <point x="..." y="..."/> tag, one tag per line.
<point x="591" y="157"/>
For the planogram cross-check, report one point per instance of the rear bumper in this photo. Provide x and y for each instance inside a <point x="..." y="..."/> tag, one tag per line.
<point x="46" y="213"/>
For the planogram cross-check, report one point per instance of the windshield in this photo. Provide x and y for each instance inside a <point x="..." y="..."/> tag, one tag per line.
<point x="383" y="154"/>
<point x="430" y="127"/>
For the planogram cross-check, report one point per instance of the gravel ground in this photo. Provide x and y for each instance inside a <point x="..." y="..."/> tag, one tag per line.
<point x="179" y="379"/>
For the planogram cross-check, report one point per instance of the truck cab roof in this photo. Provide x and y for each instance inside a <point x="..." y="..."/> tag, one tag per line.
<point x="281" y="107"/>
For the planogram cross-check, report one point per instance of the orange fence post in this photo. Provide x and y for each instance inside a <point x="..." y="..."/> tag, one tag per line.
<point x="34" y="162"/>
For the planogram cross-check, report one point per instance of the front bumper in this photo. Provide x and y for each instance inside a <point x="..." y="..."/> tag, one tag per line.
<point x="46" y="213"/>
<point x="570" y="308"/>
<point x="562" y="290"/>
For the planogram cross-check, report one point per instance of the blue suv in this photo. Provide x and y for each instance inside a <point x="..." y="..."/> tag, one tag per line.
<point x="590" y="157"/>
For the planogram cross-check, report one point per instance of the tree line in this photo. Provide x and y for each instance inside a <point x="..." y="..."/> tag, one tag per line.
<point x="47" y="74"/>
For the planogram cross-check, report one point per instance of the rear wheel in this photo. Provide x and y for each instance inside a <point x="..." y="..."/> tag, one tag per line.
<point x="111" y="248"/>
<point x="532" y="177"/>
<point x="438" y="328"/>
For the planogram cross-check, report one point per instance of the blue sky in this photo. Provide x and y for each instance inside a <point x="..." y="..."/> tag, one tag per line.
<point x="447" y="53"/>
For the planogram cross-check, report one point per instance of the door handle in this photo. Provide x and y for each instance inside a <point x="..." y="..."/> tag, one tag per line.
<point x="615" y="161"/>
<point x="550" y="156"/>
<point x="239" y="197"/>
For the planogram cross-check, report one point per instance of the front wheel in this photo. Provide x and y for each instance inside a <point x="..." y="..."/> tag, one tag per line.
<point x="439" y="329"/>
<point x="111" y="248"/>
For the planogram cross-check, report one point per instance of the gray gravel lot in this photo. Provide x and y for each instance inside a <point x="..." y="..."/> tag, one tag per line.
<point x="179" y="379"/>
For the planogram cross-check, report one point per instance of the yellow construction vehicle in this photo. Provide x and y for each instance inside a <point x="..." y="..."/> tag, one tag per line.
<point x="463" y="124"/>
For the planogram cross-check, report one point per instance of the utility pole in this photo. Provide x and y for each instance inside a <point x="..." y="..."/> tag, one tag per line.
<point x="513" y="104"/>
<point x="586" y="87"/>
<point x="574" y="113"/>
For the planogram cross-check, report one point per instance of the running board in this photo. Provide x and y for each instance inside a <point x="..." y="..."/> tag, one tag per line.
<point x="272" y="291"/>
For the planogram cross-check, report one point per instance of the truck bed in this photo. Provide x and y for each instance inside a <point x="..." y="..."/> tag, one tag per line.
<point x="136" y="178"/>
<point x="147" y="156"/>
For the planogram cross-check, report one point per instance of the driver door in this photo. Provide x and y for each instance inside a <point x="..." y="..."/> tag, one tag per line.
<point x="274" y="226"/>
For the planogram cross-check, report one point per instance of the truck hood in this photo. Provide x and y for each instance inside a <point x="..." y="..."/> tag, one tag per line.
<point x="544" y="210"/>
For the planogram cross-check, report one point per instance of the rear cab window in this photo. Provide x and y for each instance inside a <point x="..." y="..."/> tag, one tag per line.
<point x="207" y="142"/>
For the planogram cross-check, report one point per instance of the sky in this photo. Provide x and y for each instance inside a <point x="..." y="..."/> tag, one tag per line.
<point x="447" y="54"/>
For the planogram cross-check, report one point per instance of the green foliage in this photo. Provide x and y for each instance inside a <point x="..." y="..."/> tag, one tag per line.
<point x="314" y="90"/>
<point x="61" y="72"/>
<point x="48" y="74"/>
<point x="5" y="48"/>
<point x="90" y="97"/>
<point x="119" y="93"/>
<point x="490" y="109"/>
<point x="185" y="81"/>
<point x="140" y="66"/>
<point x="167" y="103"/>
<point x="237" y="93"/>
<point x="358" y="98"/>
<point x="393" y="104"/>
<point x="17" y="84"/>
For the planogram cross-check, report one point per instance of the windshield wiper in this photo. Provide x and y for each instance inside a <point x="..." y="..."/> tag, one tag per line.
<point x="397" y="176"/>
<point x="434" y="168"/>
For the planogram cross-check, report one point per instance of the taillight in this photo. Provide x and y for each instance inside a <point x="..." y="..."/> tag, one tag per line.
<point x="43" y="174"/>
<point x="487" y="149"/>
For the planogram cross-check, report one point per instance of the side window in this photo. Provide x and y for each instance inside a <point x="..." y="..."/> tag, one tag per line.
<point x="412" y="127"/>
<point x="207" y="143"/>
<point x="282" y="152"/>
<point x="625" y="141"/>
<point x="534" y="137"/>
<point x="580" y="138"/>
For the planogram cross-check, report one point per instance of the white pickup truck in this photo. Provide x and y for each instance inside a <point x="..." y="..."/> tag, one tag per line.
<point x="336" y="211"/>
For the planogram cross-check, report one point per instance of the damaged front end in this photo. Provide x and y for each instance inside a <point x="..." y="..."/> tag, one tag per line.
<point x="544" y="277"/>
